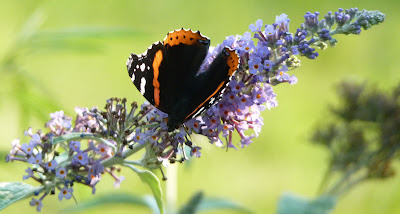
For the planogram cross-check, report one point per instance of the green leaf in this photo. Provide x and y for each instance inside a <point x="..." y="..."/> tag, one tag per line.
<point x="11" y="192"/>
<point x="115" y="198"/>
<point x="193" y="204"/>
<point x="150" y="179"/>
<point x="291" y="204"/>
<point x="219" y="203"/>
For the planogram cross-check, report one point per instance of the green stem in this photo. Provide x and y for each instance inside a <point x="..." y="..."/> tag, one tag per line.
<point x="325" y="179"/>
<point x="350" y="184"/>
<point x="348" y="174"/>
<point x="133" y="162"/>
<point x="119" y="160"/>
<point x="80" y="136"/>
<point x="84" y="135"/>
<point x="336" y="31"/>
<point x="108" y="162"/>
<point x="171" y="188"/>
<point x="134" y="149"/>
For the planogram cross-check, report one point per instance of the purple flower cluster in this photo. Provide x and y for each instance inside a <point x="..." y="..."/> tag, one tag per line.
<point x="263" y="64"/>
<point x="349" y="21"/>
<point x="267" y="54"/>
<point x="60" y="165"/>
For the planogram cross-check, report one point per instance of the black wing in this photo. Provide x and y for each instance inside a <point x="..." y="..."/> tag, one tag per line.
<point x="205" y="89"/>
<point x="185" y="52"/>
<point x="144" y="71"/>
<point x="210" y="85"/>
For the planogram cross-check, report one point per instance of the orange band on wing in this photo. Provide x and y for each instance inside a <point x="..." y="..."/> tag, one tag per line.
<point x="219" y="87"/>
<point x="156" y="65"/>
<point x="183" y="36"/>
<point x="233" y="61"/>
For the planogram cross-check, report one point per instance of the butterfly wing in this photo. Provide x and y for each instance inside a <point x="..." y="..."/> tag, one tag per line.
<point x="205" y="89"/>
<point x="144" y="71"/>
<point x="210" y="85"/>
<point x="185" y="52"/>
<point x="161" y="72"/>
<point x="167" y="75"/>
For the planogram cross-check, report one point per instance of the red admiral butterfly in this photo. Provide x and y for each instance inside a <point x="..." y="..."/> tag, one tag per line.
<point x="168" y="76"/>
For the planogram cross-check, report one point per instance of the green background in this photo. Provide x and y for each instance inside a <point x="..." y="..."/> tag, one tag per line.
<point x="281" y="160"/>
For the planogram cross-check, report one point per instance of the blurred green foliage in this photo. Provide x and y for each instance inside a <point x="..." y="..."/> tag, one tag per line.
<point x="30" y="93"/>
<point x="81" y="66"/>
<point x="364" y="139"/>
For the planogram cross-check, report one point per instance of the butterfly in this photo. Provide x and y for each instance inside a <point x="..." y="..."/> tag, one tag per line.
<point x="168" y="75"/>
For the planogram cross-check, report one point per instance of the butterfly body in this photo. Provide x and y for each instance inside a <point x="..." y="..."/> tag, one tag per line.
<point x="168" y="76"/>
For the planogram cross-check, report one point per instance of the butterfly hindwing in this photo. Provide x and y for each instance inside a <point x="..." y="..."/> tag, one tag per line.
<point x="205" y="89"/>
<point x="211" y="84"/>
<point x="144" y="71"/>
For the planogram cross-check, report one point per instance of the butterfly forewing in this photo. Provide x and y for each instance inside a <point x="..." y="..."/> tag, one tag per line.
<point x="144" y="71"/>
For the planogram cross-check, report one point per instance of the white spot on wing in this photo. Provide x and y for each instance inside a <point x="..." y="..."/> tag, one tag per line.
<point x="133" y="77"/>
<point x="212" y="100"/>
<point x="142" y="85"/>
<point x="201" y="109"/>
<point x="137" y="66"/>
<point x="197" y="114"/>
<point x="142" y="67"/>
